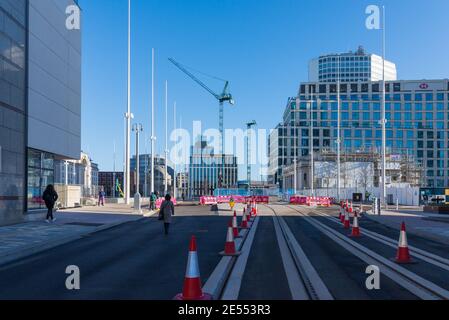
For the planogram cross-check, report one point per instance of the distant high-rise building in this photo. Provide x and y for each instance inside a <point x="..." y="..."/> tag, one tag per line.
<point x="145" y="175"/>
<point x="417" y="128"/>
<point x="351" y="66"/>
<point x="205" y="170"/>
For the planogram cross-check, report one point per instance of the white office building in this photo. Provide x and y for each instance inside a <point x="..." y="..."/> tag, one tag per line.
<point x="351" y="66"/>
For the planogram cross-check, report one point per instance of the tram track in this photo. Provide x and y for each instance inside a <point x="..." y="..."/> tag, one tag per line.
<point x="410" y="281"/>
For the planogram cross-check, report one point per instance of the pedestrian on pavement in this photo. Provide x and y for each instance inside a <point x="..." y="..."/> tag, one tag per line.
<point x="166" y="212"/>
<point x="50" y="196"/>
<point x="101" y="196"/>
<point x="152" y="201"/>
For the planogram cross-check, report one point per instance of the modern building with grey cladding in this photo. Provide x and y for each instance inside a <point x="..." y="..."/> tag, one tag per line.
<point x="417" y="113"/>
<point x="40" y="100"/>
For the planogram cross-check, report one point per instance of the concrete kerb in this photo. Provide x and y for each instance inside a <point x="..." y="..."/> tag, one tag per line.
<point x="34" y="249"/>
<point x="217" y="280"/>
<point x="396" y="226"/>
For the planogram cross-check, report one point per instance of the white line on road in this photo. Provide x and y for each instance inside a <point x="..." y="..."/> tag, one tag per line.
<point x="295" y="283"/>
<point x="232" y="289"/>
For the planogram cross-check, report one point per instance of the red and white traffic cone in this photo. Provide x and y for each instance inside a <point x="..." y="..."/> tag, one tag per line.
<point x="346" y="223"/>
<point x="355" y="227"/>
<point x="192" y="281"/>
<point x="244" y="224"/>
<point x="230" y="244"/>
<point x="235" y="227"/>
<point x="235" y="213"/>
<point x="403" y="254"/>
<point x="343" y="214"/>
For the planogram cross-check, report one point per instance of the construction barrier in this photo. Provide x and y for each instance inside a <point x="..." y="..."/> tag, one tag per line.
<point x="258" y="199"/>
<point x="159" y="202"/>
<point x="311" y="201"/>
<point x="207" y="200"/>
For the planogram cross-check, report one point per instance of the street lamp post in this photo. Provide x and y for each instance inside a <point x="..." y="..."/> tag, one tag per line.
<point x="311" y="144"/>
<point x="153" y="137"/>
<point x="166" y="138"/>
<point x="338" y="133"/>
<point x="295" y="187"/>
<point x="137" y="128"/>
<point x="384" y="120"/>
<point x="128" y="114"/>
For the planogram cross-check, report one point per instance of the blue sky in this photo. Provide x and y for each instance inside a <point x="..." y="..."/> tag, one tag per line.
<point x="261" y="46"/>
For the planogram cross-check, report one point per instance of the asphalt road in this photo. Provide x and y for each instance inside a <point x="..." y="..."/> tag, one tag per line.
<point x="132" y="261"/>
<point x="137" y="261"/>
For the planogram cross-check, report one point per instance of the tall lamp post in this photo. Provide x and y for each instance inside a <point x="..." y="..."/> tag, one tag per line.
<point x="137" y="128"/>
<point x="384" y="120"/>
<point x="153" y="137"/>
<point x="166" y="139"/>
<point x="128" y="114"/>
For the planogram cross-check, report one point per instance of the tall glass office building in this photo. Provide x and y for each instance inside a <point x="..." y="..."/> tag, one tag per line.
<point x="40" y="101"/>
<point x="417" y="113"/>
<point x="206" y="170"/>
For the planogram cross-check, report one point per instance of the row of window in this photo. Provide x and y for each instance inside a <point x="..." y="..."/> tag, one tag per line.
<point x="406" y="97"/>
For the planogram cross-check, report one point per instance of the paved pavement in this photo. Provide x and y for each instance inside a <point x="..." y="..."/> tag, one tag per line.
<point x="26" y="238"/>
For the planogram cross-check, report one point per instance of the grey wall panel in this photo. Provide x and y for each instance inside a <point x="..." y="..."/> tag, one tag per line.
<point x="54" y="80"/>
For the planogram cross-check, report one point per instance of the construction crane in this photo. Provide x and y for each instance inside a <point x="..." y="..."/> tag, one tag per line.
<point x="222" y="98"/>
<point x="249" y="125"/>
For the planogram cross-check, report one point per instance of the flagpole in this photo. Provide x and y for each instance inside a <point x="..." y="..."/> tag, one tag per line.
<point x="152" y="121"/>
<point x="384" y="120"/>
<point x="128" y="114"/>
<point x="174" y="165"/>
<point x="338" y="133"/>
<point x="166" y="137"/>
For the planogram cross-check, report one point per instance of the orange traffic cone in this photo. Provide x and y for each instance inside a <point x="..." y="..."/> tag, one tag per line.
<point x="346" y="223"/>
<point x="341" y="211"/>
<point x="403" y="254"/>
<point x="192" y="281"/>
<point x="355" y="227"/>
<point x="244" y="224"/>
<point x="343" y="214"/>
<point x="235" y="228"/>
<point x="230" y="244"/>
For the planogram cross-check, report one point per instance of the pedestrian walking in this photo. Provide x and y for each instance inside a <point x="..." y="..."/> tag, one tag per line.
<point x="50" y="196"/>
<point x="101" y="196"/>
<point x="166" y="212"/>
<point x="153" y="201"/>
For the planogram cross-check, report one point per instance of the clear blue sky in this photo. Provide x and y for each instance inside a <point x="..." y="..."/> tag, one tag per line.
<point x="261" y="47"/>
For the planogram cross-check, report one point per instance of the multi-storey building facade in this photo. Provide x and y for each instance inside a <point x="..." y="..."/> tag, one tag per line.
<point x="145" y="175"/>
<point x="350" y="67"/>
<point x="40" y="100"/>
<point x="417" y="114"/>
<point x="206" y="170"/>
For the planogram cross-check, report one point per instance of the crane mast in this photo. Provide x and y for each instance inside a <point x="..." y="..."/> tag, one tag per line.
<point x="225" y="96"/>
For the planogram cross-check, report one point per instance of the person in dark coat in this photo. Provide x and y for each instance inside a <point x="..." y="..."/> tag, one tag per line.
<point x="50" y="196"/>
<point x="167" y="210"/>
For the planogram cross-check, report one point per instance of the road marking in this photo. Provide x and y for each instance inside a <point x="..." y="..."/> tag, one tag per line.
<point x="295" y="283"/>
<point x="417" y="285"/>
<point x="415" y="252"/>
<point x="232" y="288"/>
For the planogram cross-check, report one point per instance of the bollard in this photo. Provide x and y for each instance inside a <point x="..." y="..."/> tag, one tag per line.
<point x="397" y="204"/>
